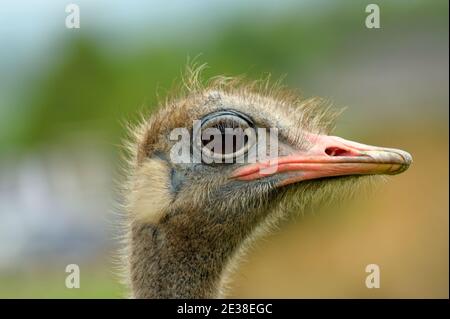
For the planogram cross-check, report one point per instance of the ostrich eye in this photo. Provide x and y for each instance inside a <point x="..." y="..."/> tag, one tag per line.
<point x="226" y="137"/>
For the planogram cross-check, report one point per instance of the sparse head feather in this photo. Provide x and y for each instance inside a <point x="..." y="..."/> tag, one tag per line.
<point x="269" y="102"/>
<point x="263" y="98"/>
<point x="199" y="213"/>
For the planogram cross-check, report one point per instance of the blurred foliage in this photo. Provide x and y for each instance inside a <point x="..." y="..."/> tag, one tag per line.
<point x="90" y="89"/>
<point x="96" y="283"/>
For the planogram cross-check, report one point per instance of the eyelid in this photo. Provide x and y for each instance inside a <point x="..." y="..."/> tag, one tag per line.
<point x="226" y="119"/>
<point x="232" y="113"/>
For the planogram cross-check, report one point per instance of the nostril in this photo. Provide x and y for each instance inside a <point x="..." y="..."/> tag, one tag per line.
<point x="336" y="151"/>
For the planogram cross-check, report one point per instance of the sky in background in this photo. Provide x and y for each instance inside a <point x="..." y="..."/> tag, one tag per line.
<point x="31" y="29"/>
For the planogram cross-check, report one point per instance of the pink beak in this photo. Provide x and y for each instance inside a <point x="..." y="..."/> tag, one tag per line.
<point x="330" y="156"/>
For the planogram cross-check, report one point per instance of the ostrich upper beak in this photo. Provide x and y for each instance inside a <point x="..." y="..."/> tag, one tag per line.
<point x="329" y="156"/>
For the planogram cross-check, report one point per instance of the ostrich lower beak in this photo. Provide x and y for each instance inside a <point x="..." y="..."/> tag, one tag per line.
<point x="329" y="156"/>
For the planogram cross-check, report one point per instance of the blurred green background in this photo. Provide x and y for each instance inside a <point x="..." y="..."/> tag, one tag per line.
<point x="65" y="94"/>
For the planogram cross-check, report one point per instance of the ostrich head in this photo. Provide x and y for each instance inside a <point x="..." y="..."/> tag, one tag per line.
<point x="192" y="208"/>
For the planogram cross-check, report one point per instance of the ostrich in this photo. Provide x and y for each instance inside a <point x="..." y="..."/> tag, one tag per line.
<point x="189" y="222"/>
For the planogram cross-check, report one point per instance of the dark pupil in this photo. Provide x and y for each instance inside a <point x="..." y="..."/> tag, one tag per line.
<point x="233" y="138"/>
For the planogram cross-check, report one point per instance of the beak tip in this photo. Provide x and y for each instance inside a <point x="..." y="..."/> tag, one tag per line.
<point x="405" y="162"/>
<point x="407" y="158"/>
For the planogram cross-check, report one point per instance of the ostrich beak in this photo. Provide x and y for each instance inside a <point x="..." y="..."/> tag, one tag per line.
<point x="329" y="156"/>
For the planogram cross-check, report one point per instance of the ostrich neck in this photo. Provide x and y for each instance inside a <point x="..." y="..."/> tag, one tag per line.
<point x="172" y="261"/>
